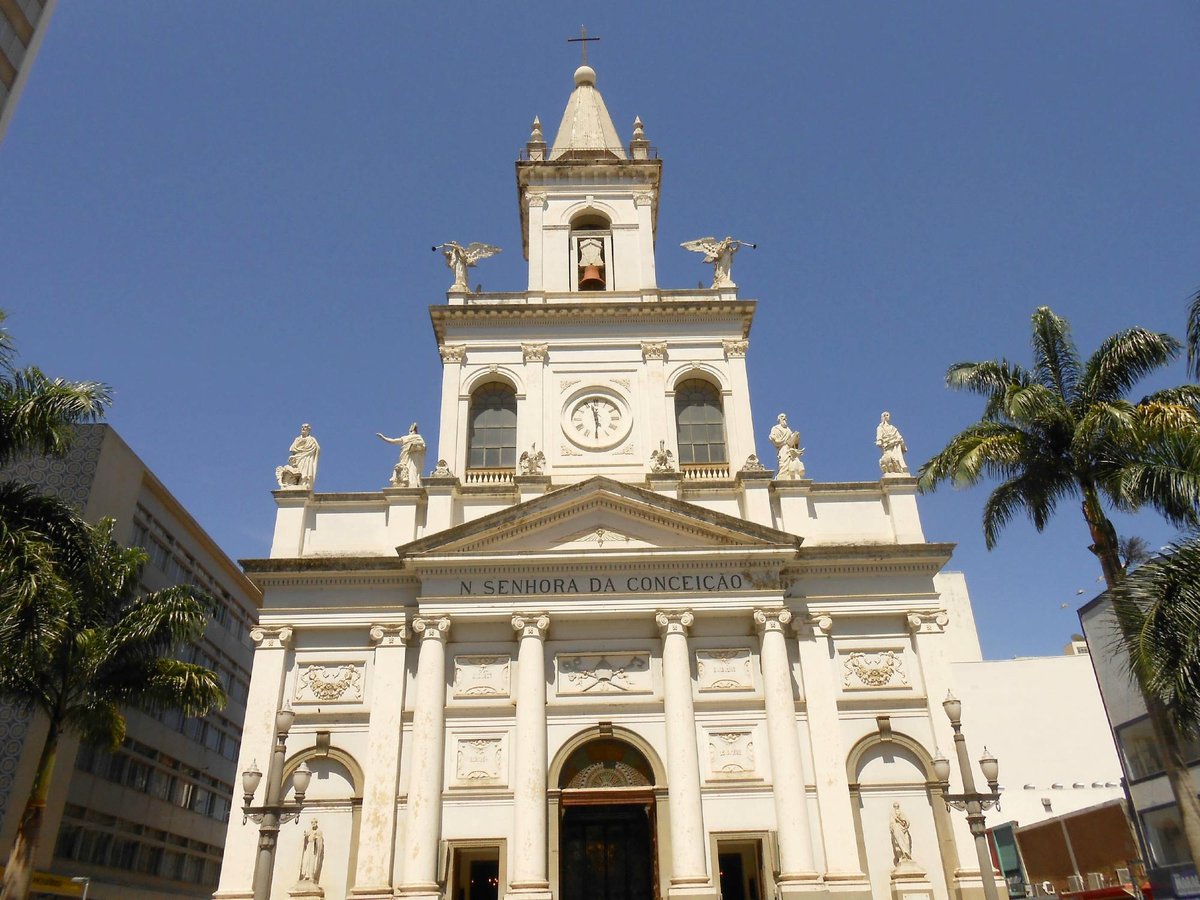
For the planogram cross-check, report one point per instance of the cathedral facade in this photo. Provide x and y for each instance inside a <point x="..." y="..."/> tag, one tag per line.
<point x="596" y="648"/>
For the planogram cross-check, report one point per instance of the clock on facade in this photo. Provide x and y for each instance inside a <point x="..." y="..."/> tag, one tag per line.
<point x="596" y="420"/>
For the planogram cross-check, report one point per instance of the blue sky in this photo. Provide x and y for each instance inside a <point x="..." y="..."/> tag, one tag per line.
<point x="225" y="210"/>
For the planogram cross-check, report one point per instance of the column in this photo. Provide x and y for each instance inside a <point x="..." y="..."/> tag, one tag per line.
<point x="530" y="879"/>
<point x="689" y="872"/>
<point x="258" y="737"/>
<point x="373" y="876"/>
<point x="537" y="208"/>
<point x="843" y="870"/>
<point x="739" y="427"/>
<point x="797" y="870"/>
<point x="424" y="822"/>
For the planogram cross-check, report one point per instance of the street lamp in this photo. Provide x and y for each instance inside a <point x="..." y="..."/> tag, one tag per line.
<point x="274" y="812"/>
<point x="85" y="881"/>
<point x="970" y="799"/>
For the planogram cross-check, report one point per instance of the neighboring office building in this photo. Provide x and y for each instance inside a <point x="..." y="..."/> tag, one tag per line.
<point x="22" y="27"/>
<point x="1149" y="789"/>
<point x="147" y="820"/>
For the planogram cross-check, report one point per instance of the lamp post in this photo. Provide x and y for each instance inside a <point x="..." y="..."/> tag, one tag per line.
<point x="274" y="812"/>
<point x="85" y="881"/>
<point x="970" y="799"/>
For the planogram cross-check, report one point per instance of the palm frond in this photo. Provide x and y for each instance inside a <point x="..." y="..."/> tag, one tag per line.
<point x="1193" y="336"/>
<point x="1122" y="360"/>
<point x="1164" y="474"/>
<point x="38" y="413"/>
<point x="981" y="449"/>
<point x="1158" y="607"/>
<point x="1055" y="359"/>
<point x="98" y="722"/>
<point x="156" y="683"/>
<point x="1035" y="492"/>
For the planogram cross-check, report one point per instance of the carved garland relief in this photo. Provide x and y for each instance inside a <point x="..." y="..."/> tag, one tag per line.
<point x="337" y="683"/>
<point x="865" y="671"/>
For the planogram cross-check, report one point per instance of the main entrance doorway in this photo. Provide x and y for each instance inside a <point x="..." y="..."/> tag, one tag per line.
<point x="607" y="827"/>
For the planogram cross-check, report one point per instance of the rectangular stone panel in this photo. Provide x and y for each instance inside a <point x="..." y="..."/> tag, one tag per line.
<point x="330" y="682"/>
<point x="604" y="673"/>
<point x="874" y="670"/>
<point x="731" y="753"/>
<point x="481" y="676"/>
<point x="725" y="670"/>
<point x="478" y="760"/>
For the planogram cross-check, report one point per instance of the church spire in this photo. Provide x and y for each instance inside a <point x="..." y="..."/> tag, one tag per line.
<point x="586" y="130"/>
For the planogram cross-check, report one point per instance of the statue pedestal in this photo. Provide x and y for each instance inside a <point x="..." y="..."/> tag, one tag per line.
<point x="307" y="889"/>
<point x="909" y="882"/>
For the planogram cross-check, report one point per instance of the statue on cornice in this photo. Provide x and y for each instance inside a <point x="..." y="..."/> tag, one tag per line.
<point x="300" y="472"/>
<point x="532" y="462"/>
<point x="407" y="472"/>
<point x="662" y="459"/>
<point x="459" y="259"/>
<point x="892" y="446"/>
<point x="787" y="443"/>
<point x="720" y="255"/>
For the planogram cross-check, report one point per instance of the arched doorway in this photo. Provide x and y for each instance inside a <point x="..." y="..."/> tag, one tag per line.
<point x="607" y="823"/>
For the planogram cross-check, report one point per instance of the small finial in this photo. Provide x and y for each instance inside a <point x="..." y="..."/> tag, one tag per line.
<point x="535" y="133"/>
<point x="639" y="130"/>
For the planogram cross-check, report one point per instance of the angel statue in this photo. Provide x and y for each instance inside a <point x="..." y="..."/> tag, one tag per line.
<point x="460" y="258"/>
<point x="719" y="254"/>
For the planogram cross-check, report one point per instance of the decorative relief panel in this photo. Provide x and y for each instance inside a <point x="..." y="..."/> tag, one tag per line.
<point x="479" y="760"/>
<point x="874" y="671"/>
<point x="330" y="683"/>
<point x="731" y="753"/>
<point x="481" y="676"/>
<point x="604" y="673"/>
<point x="725" y="670"/>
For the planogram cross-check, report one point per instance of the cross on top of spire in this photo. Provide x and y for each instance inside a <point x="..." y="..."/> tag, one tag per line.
<point x="583" y="40"/>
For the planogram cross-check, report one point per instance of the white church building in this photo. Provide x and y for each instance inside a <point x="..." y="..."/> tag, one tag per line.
<point x="600" y="651"/>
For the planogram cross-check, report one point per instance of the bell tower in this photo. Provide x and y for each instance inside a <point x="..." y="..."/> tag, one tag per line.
<point x="589" y="205"/>
<point x="593" y="369"/>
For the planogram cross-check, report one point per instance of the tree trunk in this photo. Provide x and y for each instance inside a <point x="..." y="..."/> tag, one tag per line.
<point x="18" y="874"/>
<point x="1104" y="545"/>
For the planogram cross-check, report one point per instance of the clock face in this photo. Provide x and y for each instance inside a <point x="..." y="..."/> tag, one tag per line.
<point x="596" y="422"/>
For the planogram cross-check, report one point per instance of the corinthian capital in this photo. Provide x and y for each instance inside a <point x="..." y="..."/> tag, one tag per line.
<point x="531" y="624"/>
<point x="674" y="621"/>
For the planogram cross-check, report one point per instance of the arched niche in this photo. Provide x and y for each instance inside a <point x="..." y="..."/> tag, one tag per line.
<point x="900" y="770"/>
<point x="334" y="800"/>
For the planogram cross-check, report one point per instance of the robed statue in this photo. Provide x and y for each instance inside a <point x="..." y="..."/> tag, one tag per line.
<point x="407" y="472"/>
<point x="300" y="472"/>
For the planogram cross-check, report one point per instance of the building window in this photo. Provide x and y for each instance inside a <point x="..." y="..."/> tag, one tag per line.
<point x="492" y="442"/>
<point x="700" y="423"/>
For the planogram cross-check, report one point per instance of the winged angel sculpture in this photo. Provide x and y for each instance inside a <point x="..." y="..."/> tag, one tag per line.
<point x="460" y="258"/>
<point x="719" y="254"/>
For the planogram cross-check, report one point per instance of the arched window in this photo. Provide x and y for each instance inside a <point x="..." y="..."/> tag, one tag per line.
<point x="700" y="422"/>
<point x="492" y="442"/>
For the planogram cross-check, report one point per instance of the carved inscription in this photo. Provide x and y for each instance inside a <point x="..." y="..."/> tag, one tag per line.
<point x="478" y="760"/>
<point x="725" y="670"/>
<point x="481" y="676"/>
<point x="731" y="753"/>
<point x="604" y="673"/>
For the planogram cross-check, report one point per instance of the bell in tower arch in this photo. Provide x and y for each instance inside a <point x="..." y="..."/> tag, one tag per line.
<point x="591" y="264"/>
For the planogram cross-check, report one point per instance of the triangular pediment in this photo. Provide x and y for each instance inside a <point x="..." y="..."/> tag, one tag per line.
<point x="596" y="517"/>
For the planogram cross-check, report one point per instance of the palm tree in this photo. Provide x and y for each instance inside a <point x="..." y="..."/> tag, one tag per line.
<point x="85" y="646"/>
<point x="1065" y="429"/>
<point x="1193" y="336"/>
<point x="1162" y="603"/>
